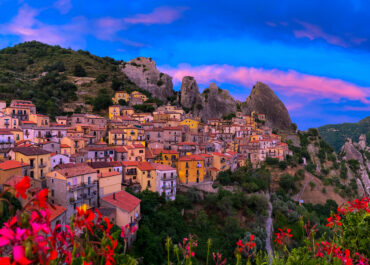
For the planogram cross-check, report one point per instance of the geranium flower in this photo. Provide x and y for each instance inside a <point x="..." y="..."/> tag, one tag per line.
<point x="22" y="186"/>
<point x="333" y="220"/>
<point x="282" y="235"/>
<point x="4" y="261"/>
<point x="19" y="257"/>
<point x="42" y="198"/>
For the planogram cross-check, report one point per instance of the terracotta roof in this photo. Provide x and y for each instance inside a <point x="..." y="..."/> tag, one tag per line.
<point x="205" y="155"/>
<point x="55" y="210"/>
<point x="10" y="164"/>
<point x="108" y="174"/>
<point x="123" y="200"/>
<point x="115" y="163"/>
<point x="28" y="122"/>
<point x="191" y="158"/>
<point x="12" y="181"/>
<point x="138" y="145"/>
<point x="99" y="164"/>
<point x="145" y="166"/>
<point x="64" y="146"/>
<point x="29" y="151"/>
<point x="120" y="149"/>
<point x="130" y="163"/>
<point x="149" y="154"/>
<point x="76" y="171"/>
<point x="161" y="167"/>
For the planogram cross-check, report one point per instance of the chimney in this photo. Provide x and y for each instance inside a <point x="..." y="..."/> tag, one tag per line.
<point x="114" y="196"/>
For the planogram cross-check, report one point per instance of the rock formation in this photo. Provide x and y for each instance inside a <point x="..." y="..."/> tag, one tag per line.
<point x="263" y="100"/>
<point x="190" y="96"/>
<point x="217" y="103"/>
<point x="144" y="73"/>
<point x="351" y="151"/>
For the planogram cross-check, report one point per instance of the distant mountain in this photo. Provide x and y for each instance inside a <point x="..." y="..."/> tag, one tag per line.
<point x="336" y="134"/>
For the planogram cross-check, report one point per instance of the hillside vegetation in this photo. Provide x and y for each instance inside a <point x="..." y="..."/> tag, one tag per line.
<point x="52" y="76"/>
<point x="336" y="134"/>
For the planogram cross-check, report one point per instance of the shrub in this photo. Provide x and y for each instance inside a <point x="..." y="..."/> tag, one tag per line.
<point x="101" y="78"/>
<point x="79" y="71"/>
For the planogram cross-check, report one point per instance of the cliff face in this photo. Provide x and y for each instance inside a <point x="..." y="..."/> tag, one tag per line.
<point x="144" y="73"/>
<point x="217" y="102"/>
<point x="351" y="151"/>
<point x="263" y="100"/>
<point x="190" y="96"/>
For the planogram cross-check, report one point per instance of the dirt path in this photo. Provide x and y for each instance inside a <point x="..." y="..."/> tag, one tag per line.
<point x="269" y="228"/>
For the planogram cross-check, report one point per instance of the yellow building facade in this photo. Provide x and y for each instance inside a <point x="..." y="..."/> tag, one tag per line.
<point x="191" y="169"/>
<point x="120" y="95"/>
<point x="37" y="158"/>
<point x="192" y="124"/>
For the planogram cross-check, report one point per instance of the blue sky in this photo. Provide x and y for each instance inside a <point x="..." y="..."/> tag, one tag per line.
<point x="314" y="54"/>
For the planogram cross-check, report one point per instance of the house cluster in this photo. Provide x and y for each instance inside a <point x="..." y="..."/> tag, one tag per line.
<point x="89" y="160"/>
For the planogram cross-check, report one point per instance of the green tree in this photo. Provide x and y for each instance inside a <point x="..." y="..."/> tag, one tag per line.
<point x="79" y="71"/>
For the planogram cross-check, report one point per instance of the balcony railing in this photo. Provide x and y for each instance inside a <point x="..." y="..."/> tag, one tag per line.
<point x="42" y="165"/>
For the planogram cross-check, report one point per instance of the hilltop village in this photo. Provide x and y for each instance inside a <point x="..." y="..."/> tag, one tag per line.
<point x="90" y="160"/>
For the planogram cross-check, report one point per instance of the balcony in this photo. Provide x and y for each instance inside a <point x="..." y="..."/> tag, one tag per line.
<point x="164" y="187"/>
<point x="42" y="165"/>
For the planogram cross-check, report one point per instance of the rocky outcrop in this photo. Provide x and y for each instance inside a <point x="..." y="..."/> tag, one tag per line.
<point x="144" y="73"/>
<point x="263" y="100"/>
<point x="216" y="103"/>
<point x="190" y="95"/>
<point x="350" y="152"/>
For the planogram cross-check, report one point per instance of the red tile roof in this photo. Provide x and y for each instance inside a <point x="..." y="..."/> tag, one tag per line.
<point x="161" y="167"/>
<point x="76" y="171"/>
<point x="109" y="174"/>
<point x="130" y="163"/>
<point x="11" y="164"/>
<point x="120" y="149"/>
<point x="145" y="166"/>
<point x="123" y="200"/>
<point x="115" y="163"/>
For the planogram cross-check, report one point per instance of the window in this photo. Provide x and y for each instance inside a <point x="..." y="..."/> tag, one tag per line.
<point x="32" y="174"/>
<point x="52" y="193"/>
<point x="89" y="181"/>
<point x="149" y="183"/>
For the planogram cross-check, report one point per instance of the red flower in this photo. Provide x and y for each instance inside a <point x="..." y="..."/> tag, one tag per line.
<point x="42" y="198"/>
<point x="22" y="186"/>
<point x="282" y="235"/>
<point x="4" y="261"/>
<point x="109" y="225"/>
<point x="334" y="220"/>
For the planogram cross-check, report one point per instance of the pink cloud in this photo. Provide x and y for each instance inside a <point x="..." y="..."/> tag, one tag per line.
<point x="160" y="15"/>
<point x="271" y="24"/>
<point x="313" y="32"/>
<point x="28" y="28"/>
<point x="63" y="6"/>
<point x="290" y="83"/>
<point x="357" y="40"/>
<point x="294" y="106"/>
<point x="367" y="108"/>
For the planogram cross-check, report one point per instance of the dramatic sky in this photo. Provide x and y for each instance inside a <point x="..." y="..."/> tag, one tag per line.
<point x="314" y="54"/>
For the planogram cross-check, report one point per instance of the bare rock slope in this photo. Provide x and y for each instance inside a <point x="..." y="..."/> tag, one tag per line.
<point x="143" y="72"/>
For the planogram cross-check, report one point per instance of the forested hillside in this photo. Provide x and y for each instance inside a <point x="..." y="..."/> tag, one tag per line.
<point x="336" y="134"/>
